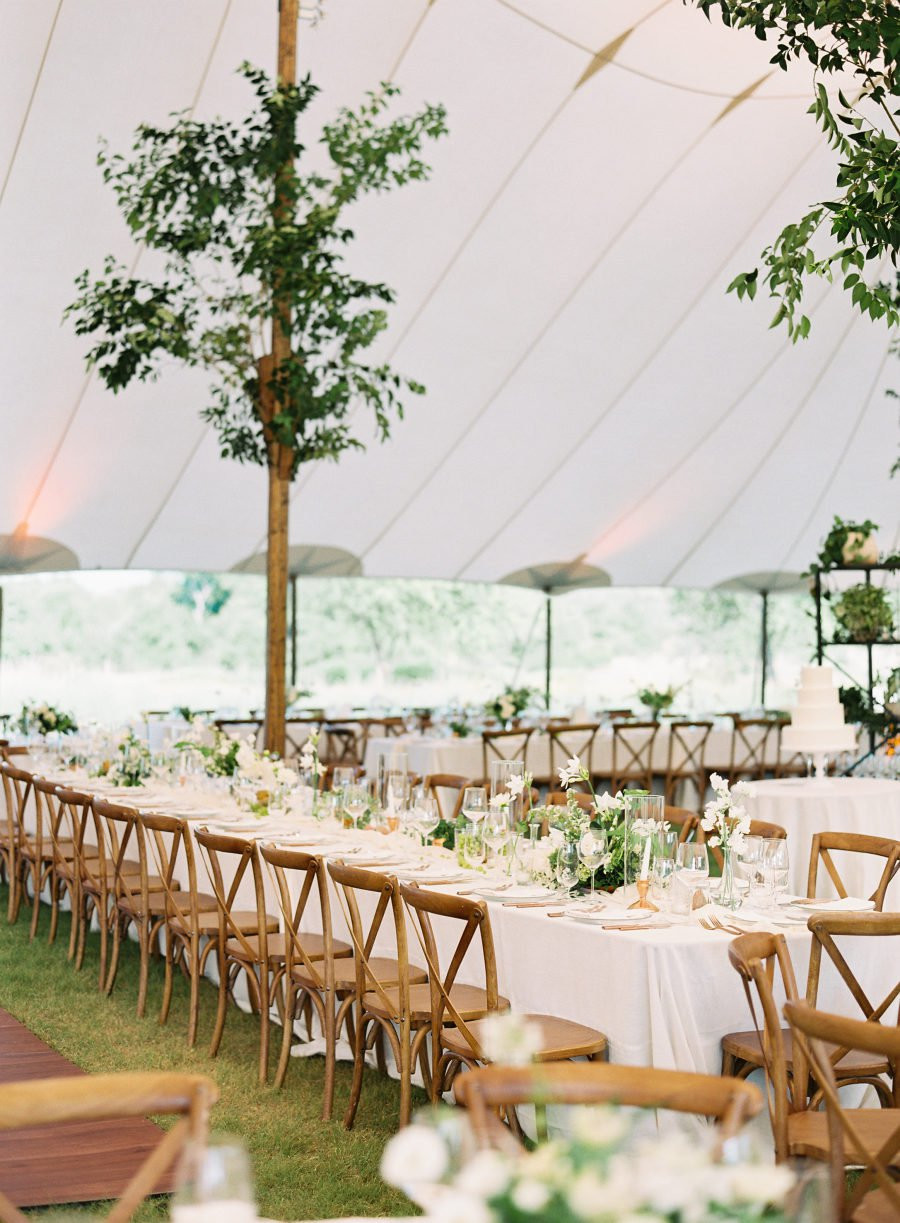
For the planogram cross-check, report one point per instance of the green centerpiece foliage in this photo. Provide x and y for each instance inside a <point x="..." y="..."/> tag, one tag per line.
<point x="45" y="719"/>
<point x="657" y="700"/>
<point x="254" y="290"/>
<point x="843" y="543"/>
<point x="846" y="236"/>
<point x="864" y="613"/>
<point x="509" y="703"/>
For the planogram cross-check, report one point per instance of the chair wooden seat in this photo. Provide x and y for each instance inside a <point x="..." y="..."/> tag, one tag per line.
<point x="313" y="944"/>
<point x="560" y="1038"/>
<point x="746" y="1047"/>
<point x="29" y="850"/>
<point x="807" y="1131"/>
<point x="385" y="969"/>
<point x="875" y="1208"/>
<point x="470" y="1002"/>
<point x="157" y="902"/>
<point x="247" y="948"/>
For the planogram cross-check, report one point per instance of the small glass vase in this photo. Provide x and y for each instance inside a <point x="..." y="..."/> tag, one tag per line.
<point x="728" y="895"/>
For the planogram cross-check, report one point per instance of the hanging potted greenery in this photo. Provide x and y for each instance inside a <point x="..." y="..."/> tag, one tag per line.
<point x="864" y="613"/>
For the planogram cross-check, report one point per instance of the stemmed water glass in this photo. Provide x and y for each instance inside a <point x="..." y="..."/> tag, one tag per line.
<point x="341" y="777"/>
<point x="356" y="799"/>
<point x="593" y="851"/>
<point x="566" y="869"/>
<point x="496" y="830"/>
<point x="474" y="805"/>
<point x="776" y="867"/>
<point x="693" y="865"/>
<point x="663" y="862"/>
<point x="425" y="813"/>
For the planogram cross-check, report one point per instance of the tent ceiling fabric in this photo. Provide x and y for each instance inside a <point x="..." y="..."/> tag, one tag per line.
<point x="593" y="392"/>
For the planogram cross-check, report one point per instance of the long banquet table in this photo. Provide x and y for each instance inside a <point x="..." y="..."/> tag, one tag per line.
<point x="664" y="996"/>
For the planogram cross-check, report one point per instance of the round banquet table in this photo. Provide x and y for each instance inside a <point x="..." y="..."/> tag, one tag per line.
<point x="804" y="806"/>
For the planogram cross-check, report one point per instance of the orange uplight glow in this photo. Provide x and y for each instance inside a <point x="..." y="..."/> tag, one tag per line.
<point x="629" y="531"/>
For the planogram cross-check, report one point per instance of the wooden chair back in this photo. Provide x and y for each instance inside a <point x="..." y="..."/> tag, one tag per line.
<point x="685" y="758"/>
<point x="436" y="782"/>
<point x="632" y="755"/>
<point x="687" y="823"/>
<point x="169" y="848"/>
<point x="120" y="831"/>
<point x="296" y="732"/>
<point x="505" y="745"/>
<point x="110" y="1097"/>
<point x="487" y="1089"/>
<point x="824" y="844"/>
<point x="560" y="798"/>
<point x="287" y="867"/>
<point x="816" y="1033"/>
<point x="828" y="931"/>
<point x="54" y="824"/>
<point x="755" y="958"/>
<point x="423" y="906"/>
<point x="17" y="787"/>
<point x="753" y="743"/>
<point x="349" y="881"/>
<point x="229" y="860"/>
<point x="567" y="739"/>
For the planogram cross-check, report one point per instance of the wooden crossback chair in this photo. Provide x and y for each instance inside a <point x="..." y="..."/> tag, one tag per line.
<point x="436" y="782"/>
<point x="687" y="823"/>
<point x="874" y="1195"/>
<point x="9" y="841"/>
<point x="685" y="760"/>
<point x="458" y="1012"/>
<point x="137" y="899"/>
<point x="343" y="743"/>
<point x="488" y="1089"/>
<point x="758" y="828"/>
<point x="505" y="745"/>
<point x="753" y="748"/>
<point x="313" y="981"/>
<point x="189" y="915"/>
<point x="385" y="991"/>
<point x="112" y="1097"/>
<point x="296" y="732"/>
<point x="93" y="886"/>
<point x="63" y="871"/>
<point x="632" y="755"/>
<point x="798" y="1129"/>
<point x="31" y="852"/>
<point x="829" y="930"/>
<point x="825" y="844"/>
<point x="567" y="739"/>
<point x="248" y="941"/>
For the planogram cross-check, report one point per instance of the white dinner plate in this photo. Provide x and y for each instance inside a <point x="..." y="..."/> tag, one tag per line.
<point x="612" y="917"/>
<point x="523" y="892"/>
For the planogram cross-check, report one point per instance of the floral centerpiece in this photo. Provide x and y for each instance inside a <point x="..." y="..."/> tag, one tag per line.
<point x="131" y="765"/>
<point x="219" y="757"/>
<point x="45" y="719"/>
<point x="657" y="700"/>
<point x="603" y="1173"/>
<point x="509" y="703"/>
<point x="260" y="779"/>
<point x="727" y="820"/>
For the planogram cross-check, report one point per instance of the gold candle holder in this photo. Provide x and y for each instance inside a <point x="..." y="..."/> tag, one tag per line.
<point x="643" y="901"/>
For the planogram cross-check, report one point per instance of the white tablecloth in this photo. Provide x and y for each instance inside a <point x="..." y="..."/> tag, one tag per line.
<point x="804" y="806"/>
<point x="663" y="997"/>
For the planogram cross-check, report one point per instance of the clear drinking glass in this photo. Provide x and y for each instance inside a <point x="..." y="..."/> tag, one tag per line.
<point x="776" y="867"/>
<point x="356" y="800"/>
<point x="496" y="830"/>
<point x="693" y="865"/>
<point x="593" y="851"/>
<point x="342" y="777"/>
<point x="567" y="866"/>
<point x="214" y="1183"/>
<point x="474" y="806"/>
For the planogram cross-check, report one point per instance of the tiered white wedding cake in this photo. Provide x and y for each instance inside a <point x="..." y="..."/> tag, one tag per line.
<point x="817" y="721"/>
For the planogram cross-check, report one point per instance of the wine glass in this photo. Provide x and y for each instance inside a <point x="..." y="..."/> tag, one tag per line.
<point x="425" y="813"/>
<point x="474" y="805"/>
<point x="566" y="868"/>
<point x="776" y="866"/>
<point x="593" y="851"/>
<point x="342" y="777"/>
<point x="356" y="800"/>
<point x="497" y="830"/>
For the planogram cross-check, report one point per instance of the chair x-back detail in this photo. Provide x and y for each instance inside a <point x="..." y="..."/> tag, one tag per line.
<point x="93" y="888"/>
<point x="632" y="755"/>
<point x="505" y="745"/>
<point x="458" y="1012"/>
<point x="248" y="941"/>
<point x="568" y="739"/>
<point x="685" y="761"/>
<point x="62" y="873"/>
<point x="873" y="1195"/>
<point x="753" y="748"/>
<point x="309" y="958"/>
<point x="386" y="991"/>
<point x="30" y="853"/>
<point x="826" y="844"/>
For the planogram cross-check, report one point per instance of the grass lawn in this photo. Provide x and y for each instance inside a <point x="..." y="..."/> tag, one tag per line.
<point x="305" y="1168"/>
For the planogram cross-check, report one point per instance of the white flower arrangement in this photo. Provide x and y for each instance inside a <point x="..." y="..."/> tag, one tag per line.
<point x="599" y="1175"/>
<point x="510" y="1039"/>
<point x="724" y="815"/>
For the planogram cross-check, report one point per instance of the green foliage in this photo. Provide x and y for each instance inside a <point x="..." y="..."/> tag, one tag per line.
<point x="246" y="236"/>
<point x="831" y="553"/>
<point x="45" y="720"/>
<point x="203" y="593"/>
<point x="858" y="712"/>
<point x="841" y="237"/>
<point x="864" y="613"/>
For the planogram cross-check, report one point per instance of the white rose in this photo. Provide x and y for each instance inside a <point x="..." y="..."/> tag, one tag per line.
<point x="530" y="1196"/>
<point x="416" y="1155"/>
<point x="602" y="1127"/>
<point x="458" y="1208"/>
<point x="485" y="1175"/>
<point x="287" y="777"/>
<point x="763" y="1183"/>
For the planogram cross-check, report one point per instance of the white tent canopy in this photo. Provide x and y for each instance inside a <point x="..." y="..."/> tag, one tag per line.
<point x="592" y="391"/>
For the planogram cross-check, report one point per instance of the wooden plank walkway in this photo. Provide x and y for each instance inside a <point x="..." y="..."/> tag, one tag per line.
<point x="52" y="1165"/>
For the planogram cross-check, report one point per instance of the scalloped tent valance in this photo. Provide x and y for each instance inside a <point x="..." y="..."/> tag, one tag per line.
<point x="593" y="393"/>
